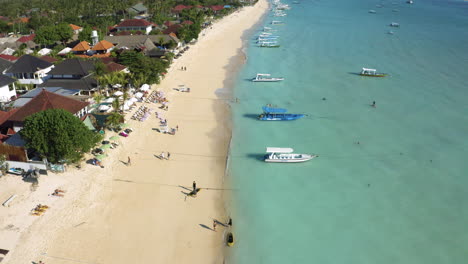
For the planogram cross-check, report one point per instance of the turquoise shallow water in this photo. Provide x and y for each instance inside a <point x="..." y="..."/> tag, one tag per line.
<point x="400" y="196"/>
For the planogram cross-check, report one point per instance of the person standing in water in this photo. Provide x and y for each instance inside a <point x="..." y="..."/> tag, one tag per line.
<point x="373" y="104"/>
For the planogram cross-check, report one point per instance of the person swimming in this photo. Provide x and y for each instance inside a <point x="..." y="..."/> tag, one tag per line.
<point x="373" y="104"/>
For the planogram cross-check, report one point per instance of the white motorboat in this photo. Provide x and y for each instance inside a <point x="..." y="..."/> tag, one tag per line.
<point x="409" y="1"/>
<point x="265" y="77"/>
<point x="276" y="22"/>
<point x="285" y="155"/>
<point x="394" y="24"/>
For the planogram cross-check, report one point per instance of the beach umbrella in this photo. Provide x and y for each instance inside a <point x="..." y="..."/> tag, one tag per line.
<point x="104" y="107"/>
<point x="139" y="95"/>
<point x="114" y="138"/>
<point x="106" y="146"/>
<point x="145" y="87"/>
<point x="118" y="93"/>
<point x="100" y="157"/>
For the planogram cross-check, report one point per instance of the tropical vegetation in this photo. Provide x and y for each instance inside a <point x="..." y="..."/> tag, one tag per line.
<point x="58" y="135"/>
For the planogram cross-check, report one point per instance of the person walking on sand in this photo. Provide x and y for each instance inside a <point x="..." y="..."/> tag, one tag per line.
<point x="229" y="223"/>
<point x="168" y="155"/>
<point x="194" y="185"/>
<point x="128" y="162"/>
<point x="214" y="225"/>
<point x="177" y="127"/>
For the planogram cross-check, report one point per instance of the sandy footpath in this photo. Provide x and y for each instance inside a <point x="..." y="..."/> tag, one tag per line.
<point x="139" y="213"/>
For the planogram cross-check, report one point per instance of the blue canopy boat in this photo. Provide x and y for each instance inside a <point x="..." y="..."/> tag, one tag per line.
<point x="277" y="114"/>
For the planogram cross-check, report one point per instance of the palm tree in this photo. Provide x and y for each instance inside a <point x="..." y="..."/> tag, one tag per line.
<point x="98" y="98"/>
<point x="116" y="104"/>
<point x="114" y="119"/>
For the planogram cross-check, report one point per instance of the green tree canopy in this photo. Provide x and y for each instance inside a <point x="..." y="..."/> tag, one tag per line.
<point x="64" y="32"/>
<point x="46" y="35"/>
<point x="58" y="135"/>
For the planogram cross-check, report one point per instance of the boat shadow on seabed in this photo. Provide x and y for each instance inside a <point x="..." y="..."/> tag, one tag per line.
<point x="252" y="116"/>
<point x="256" y="156"/>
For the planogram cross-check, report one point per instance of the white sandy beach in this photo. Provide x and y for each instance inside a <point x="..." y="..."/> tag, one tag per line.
<point x="138" y="213"/>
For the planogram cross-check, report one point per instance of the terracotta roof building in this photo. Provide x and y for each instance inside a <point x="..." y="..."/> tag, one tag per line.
<point x="76" y="29"/>
<point x="103" y="46"/>
<point x="8" y="57"/>
<point x="115" y="67"/>
<point x="81" y="47"/>
<point x="135" y="25"/>
<point x="43" y="101"/>
<point x="25" y="39"/>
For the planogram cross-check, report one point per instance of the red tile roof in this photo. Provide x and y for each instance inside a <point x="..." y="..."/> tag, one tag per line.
<point x="115" y="67"/>
<point x="179" y="8"/>
<point x="82" y="46"/>
<point x="25" y="39"/>
<point x="8" y="57"/>
<point x="103" y="45"/>
<point x="93" y="56"/>
<point x="134" y="23"/>
<point x="172" y="29"/>
<point x="4" y="116"/>
<point x="217" y="7"/>
<point x="168" y="23"/>
<point x="10" y="132"/>
<point x="46" y="100"/>
<point x="3" y="138"/>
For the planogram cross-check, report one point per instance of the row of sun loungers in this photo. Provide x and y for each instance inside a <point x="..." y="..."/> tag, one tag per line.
<point x="142" y="113"/>
<point x="151" y="97"/>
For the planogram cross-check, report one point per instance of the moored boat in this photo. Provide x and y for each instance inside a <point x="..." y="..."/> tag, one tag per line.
<point x="275" y="22"/>
<point x="394" y="24"/>
<point x="230" y="239"/>
<point x="371" y="73"/>
<point x="265" y="77"/>
<point x="277" y="114"/>
<point x="285" y="155"/>
<point x="268" y="45"/>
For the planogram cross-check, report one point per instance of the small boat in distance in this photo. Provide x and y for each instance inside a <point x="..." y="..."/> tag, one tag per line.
<point x="277" y="114"/>
<point x="268" y="45"/>
<point x="372" y="11"/>
<point x="371" y="73"/>
<point x="265" y="77"/>
<point x="409" y="1"/>
<point x="394" y="24"/>
<point x="276" y="22"/>
<point x="230" y="239"/>
<point x="285" y="155"/>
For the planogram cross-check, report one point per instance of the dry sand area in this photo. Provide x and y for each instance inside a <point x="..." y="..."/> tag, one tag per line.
<point x="139" y="213"/>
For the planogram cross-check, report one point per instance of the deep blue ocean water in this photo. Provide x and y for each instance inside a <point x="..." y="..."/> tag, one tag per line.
<point x="401" y="194"/>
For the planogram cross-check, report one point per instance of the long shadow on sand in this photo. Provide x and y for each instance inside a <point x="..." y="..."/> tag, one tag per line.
<point x="204" y="226"/>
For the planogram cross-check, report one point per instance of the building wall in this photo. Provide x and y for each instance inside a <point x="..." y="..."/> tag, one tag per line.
<point x="33" y="78"/>
<point x="6" y="92"/>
